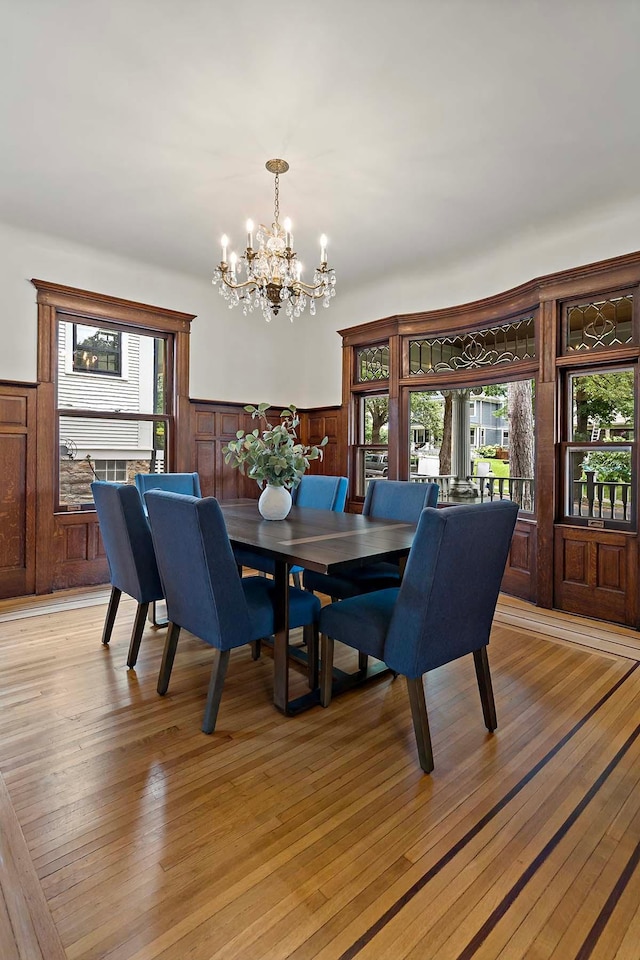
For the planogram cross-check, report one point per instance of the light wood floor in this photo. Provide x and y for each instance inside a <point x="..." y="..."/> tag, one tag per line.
<point x="127" y="834"/>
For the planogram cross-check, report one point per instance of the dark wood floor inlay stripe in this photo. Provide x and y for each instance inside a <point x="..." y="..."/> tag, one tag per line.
<point x="509" y="899"/>
<point x="447" y="857"/>
<point x="604" y="916"/>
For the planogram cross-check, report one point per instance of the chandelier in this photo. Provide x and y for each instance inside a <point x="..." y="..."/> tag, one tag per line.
<point x="270" y="278"/>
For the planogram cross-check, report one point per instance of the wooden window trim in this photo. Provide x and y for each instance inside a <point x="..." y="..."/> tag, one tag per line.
<point x="55" y="301"/>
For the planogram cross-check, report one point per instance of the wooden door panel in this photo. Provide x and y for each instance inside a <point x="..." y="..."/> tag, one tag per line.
<point x="595" y="574"/>
<point x="17" y="490"/>
<point x="575" y="562"/>
<point x="611" y="567"/>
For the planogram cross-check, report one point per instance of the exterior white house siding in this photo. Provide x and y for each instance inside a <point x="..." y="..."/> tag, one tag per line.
<point x="132" y="391"/>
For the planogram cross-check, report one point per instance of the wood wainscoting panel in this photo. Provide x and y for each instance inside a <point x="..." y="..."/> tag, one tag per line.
<point x="13" y="410"/>
<point x="75" y="542"/>
<point x="204" y="423"/>
<point x="79" y="557"/>
<point x="214" y="423"/>
<point x="13" y="450"/>
<point x="17" y="480"/>
<point x="595" y="574"/>
<point x="520" y="577"/>
<point x="229" y="423"/>
<point x="327" y="422"/>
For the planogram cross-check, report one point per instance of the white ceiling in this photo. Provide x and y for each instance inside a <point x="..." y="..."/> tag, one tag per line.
<point x="418" y="131"/>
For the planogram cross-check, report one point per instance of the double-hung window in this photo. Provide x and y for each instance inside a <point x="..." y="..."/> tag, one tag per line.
<point x="113" y="405"/>
<point x="600" y="447"/>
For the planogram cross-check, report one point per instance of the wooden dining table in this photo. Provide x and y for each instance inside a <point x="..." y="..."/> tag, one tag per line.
<point x="321" y="540"/>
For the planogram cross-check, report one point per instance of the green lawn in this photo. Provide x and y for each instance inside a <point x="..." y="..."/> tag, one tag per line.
<point x="499" y="468"/>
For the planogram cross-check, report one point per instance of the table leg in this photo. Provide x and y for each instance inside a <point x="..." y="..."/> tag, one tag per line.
<point x="281" y="640"/>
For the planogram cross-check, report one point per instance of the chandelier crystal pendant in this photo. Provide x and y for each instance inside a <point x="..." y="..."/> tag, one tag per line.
<point x="270" y="278"/>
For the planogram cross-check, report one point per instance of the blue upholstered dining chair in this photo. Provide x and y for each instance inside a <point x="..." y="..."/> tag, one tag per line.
<point x="129" y="548"/>
<point x="442" y="610"/>
<point x="188" y="483"/>
<point x="205" y="593"/>
<point x="399" y="500"/>
<point x="319" y="492"/>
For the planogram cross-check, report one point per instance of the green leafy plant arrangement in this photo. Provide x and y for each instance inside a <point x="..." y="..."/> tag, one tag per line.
<point x="273" y="454"/>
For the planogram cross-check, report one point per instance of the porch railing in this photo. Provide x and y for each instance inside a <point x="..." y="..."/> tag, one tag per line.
<point x="592" y="499"/>
<point x="519" y="489"/>
<point x="601" y="499"/>
<point x="444" y="482"/>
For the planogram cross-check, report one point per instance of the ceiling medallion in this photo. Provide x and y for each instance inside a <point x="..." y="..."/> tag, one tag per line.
<point x="270" y="278"/>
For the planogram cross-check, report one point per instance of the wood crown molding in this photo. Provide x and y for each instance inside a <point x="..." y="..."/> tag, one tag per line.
<point x="87" y="303"/>
<point x="577" y="281"/>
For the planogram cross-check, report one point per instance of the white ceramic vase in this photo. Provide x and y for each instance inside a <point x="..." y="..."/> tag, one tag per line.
<point x="274" y="502"/>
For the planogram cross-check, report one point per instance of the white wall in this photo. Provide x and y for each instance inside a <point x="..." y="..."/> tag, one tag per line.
<point x="240" y="358"/>
<point x="233" y="357"/>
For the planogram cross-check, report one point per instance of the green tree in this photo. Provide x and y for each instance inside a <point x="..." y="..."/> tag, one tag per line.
<point x="521" y="440"/>
<point x="521" y="428"/>
<point x="609" y="466"/>
<point x="376" y="416"/>
<point x="601" y="398"/>
<point x="426" y="409"/>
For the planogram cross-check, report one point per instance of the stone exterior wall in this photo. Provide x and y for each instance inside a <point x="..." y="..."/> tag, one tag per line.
<point x="75" y="482"/>
<point x="76" y="477"/>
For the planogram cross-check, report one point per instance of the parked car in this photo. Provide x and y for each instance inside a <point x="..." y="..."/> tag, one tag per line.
<point x="376" y="465"/>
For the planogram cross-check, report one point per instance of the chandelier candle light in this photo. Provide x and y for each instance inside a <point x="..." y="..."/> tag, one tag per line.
<point x="273" y="273"/>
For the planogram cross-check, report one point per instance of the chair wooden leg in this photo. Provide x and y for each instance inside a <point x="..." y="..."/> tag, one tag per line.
<point x="168" y="655"/>
<point x="218" y="673"/>
<point x="483" y="674"/>
<point x="256" y="649"/>
<point x="136" y="634"/>
<point x="112" y="609"/>
<point x="363" y="661"/>
<point x="326" y="669"/>
<point x="312" y="641"/>
<point x="418" y="703"/>
<point x="153" y="616"/>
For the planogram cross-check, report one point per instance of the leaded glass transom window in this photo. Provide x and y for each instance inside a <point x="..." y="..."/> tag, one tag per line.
<point x="372" y="363"/>
<point x="599" y="324"/>
<point x="467" y="351"/>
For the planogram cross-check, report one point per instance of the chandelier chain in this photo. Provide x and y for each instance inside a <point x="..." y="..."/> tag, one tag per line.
<point x="276" y="202"/>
